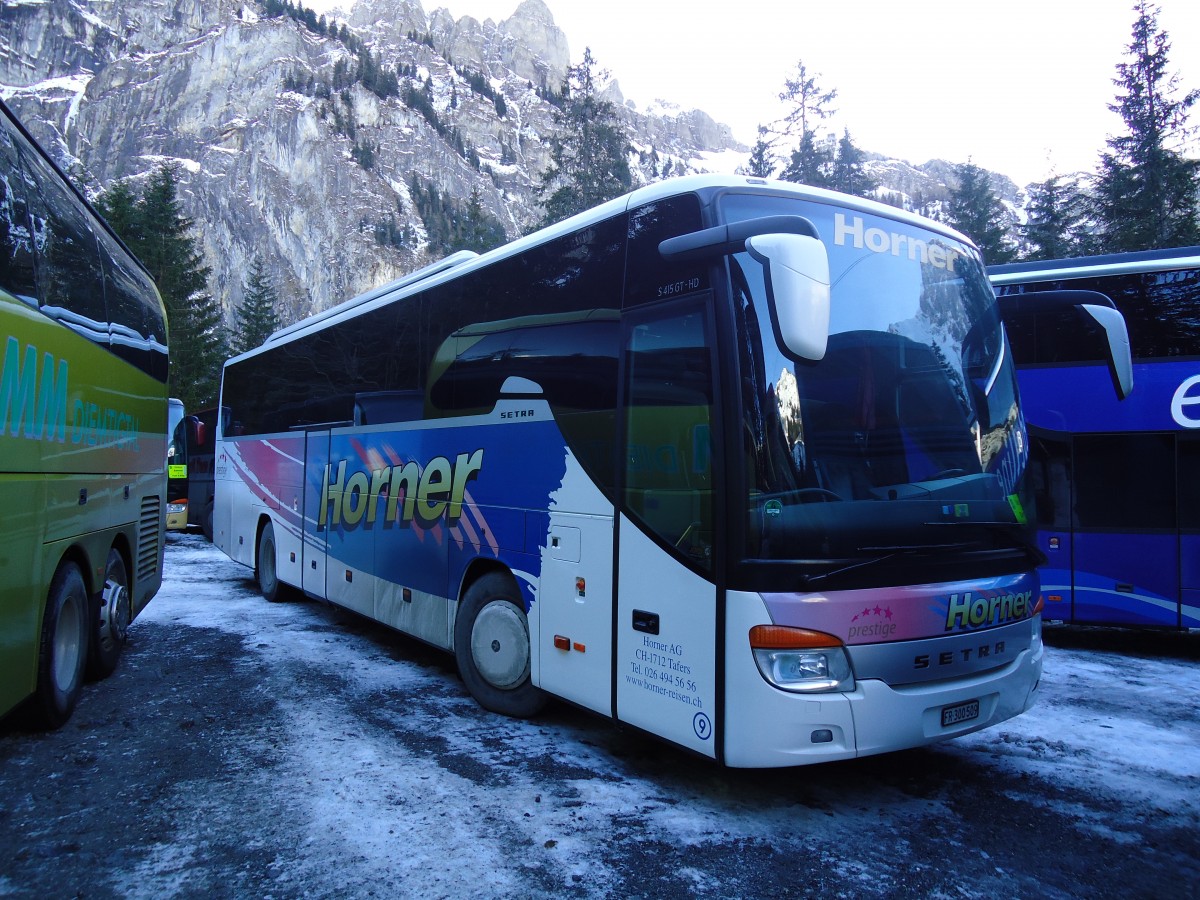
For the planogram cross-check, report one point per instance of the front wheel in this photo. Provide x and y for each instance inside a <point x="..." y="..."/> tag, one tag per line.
<point x="491" y="645"/>
<point x="264" y="565"/>
<point x="62" y="654"/>
<point x="111" y="618"/>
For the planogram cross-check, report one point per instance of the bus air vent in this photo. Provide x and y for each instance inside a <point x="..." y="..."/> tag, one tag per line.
<point x="148" y="536"/>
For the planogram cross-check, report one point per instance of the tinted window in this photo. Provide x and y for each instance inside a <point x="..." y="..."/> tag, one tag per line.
<point x="549" y="315"/>
<point x="16" y="237"/>
<point x="1125" y="482"/>
<point x="1189" y="482"/>
<point x="669" y="464"/>
<point x="530" y="315"/>
<point x="1058" y="336"/>
<point x="70" y="281"/>
<point x="649" y="277"/>
<point x="1161" y="309"/>
<point x="1050" y="477"/>
<point x="364" y="369"/>
<point x="139" y="331"/>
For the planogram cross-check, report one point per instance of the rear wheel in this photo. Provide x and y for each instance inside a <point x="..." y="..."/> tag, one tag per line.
<point x="264" y="565"/>
<point x="491" y="645"/>
<point x="110" y="619"/>
<point x="63" y="651"/>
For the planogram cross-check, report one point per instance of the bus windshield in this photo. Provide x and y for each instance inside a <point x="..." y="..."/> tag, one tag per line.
<point x="909" y="423"/>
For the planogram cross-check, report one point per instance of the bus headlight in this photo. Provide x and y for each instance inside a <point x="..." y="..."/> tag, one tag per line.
<point x="173" y="508"/>
<point x="796" y="659"/>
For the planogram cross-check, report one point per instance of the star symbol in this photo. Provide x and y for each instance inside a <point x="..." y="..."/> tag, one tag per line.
<point x="878" y="611"/>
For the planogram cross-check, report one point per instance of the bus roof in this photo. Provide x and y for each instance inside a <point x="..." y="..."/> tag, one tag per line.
<point x="466" y="261"/>
<point x="1089" y="266"/>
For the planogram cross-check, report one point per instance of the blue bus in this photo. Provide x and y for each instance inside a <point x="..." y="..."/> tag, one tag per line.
<point x="1117" y="484"/>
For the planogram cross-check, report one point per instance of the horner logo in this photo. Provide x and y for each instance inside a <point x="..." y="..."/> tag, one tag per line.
<point x="968" y="610"/>
<point x="409" y="491"/>
<point x="854" y="232"/>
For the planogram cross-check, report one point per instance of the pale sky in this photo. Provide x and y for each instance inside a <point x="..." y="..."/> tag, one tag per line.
<point x="1019" y="87"/>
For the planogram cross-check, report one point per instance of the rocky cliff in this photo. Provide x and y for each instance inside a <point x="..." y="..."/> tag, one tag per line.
<point x="282" y="152"/>
<point x="275" y="156"/>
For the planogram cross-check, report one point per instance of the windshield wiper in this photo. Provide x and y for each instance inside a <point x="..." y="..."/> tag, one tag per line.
<point x="888" y="552"/>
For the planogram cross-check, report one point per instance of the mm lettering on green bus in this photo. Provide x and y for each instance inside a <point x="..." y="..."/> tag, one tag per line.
<point x="39" y="405"/>
<point x="429" y="493"/>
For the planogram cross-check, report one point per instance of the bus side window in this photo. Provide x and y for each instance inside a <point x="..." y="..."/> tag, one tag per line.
<point x="1189" y="483"/>
<point x="16" y="237"/>
<point x="139" y="332"/>
<point x="1053" y="335"/>
<point x="71" y="285"/>
<point x="1125" y="481"/>
<point x="1050" y="474"/>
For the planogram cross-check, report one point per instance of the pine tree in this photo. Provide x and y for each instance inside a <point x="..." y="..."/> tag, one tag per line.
<point x="812" y="160"/>
<point x="170" y="253"/>
<point x="257" y="318"/>
<point x="479" y="231"/>
<point x="850" y="171"/>
<point x="1056" y="225"/>
<point x="977" y="212"/>
<point x="589" y="151"/>
<point x="1147" y="195"/>
<point x="118" y="205"/>
<point x="810" y="104"/>
<point x="811" y="163"/>
<point x="762" y="158"/>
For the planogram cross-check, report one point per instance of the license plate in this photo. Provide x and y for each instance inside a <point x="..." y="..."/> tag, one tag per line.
<point x="960" y="712"/>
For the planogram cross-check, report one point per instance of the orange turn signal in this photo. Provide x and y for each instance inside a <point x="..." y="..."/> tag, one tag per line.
<point x="782" y="637"/>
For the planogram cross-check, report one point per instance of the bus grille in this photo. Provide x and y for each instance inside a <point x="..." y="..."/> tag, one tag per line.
<point x="148" y="536"/>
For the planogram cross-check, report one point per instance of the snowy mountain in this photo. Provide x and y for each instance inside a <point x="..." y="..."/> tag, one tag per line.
<point x="291" y="143"/>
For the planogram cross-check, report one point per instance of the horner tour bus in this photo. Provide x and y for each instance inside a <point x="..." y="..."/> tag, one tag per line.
<point x="83" y="437"/>
<point x="737" y="463"/>
<point x="1117" y="484"/>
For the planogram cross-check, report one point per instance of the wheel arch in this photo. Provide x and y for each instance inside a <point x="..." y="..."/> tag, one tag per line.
<point x="478" y="568"/>
<point x="78" y="554"/>
<point x="121" y="545"/>
<point x="264" y="519"/>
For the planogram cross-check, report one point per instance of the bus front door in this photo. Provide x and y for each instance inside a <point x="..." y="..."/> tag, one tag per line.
<point x="666" y="618"/>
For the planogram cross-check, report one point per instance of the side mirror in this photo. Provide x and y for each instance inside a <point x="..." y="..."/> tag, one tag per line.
<point x="1101" y="309"/>
<point x="797" y="273"/>
<point x="1120" y="360"/>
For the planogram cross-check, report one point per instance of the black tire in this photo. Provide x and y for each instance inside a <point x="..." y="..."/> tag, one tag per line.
<point x="111" y="614"/>
<point x="264" y="565"/>
<point x="206" y="522"/>
<point x="491" y="645"/>
<point x="62" y="654"/>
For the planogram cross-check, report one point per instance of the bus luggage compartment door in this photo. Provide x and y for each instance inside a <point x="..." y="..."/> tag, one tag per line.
<point x="316" y="540"/>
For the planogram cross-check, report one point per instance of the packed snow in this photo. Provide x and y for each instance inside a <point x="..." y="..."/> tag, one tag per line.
<point x="246" y="748"/>
<point x="1108" y="724"/>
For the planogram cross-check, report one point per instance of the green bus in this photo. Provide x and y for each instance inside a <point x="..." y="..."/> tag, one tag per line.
<point x="83" y="396"/>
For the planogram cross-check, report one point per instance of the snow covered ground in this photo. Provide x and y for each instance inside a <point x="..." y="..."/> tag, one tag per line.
<point x="254" y="749"/>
